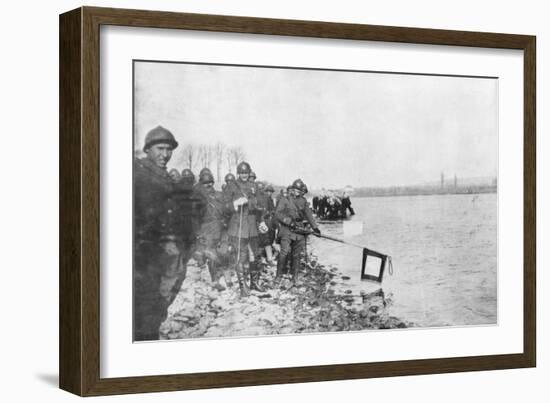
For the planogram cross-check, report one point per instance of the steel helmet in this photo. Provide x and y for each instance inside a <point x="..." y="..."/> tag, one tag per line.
<point x="252" y="175"/>
<point x="229" y="178"/>
<point x="205" y="169"/>
<point x="243" y="168"/>
<point x="300" y="185"/>
<point x="269" y="188"/>
<point x="188" y="176"/>
<point x="159" y="135"/>
<point x="206" y="177"/>
<point x="174" y="174"/>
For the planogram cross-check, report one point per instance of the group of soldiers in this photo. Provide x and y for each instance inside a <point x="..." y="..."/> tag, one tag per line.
<point x="331" y="207"/>
<point x="177" y="218"/>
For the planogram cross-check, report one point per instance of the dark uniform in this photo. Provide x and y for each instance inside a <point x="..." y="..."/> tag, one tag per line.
<point x="155" y="249"/>
<point x="315" y="204"/>
<point x="243" y="230"/>
<point x="333" y="209"/>
<point x="292" y="212"/>
<point x="282" y="194"/>
<point x="266" y="214"/>
<point x="322" y="207"/>
<point x="212" y="240"/>
<point x="346" y="205"/>
<point x="190" y="208"/>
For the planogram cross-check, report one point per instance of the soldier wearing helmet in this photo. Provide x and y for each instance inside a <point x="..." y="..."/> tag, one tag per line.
<point x="187" y="177"/>
<point x="243" y="171"/>
<point x="252" y="176"/>
<point x="212" y="245"/>
<point x="155" y="246"/>
<point x="267" y="222"/>
<point x="206" y="179"/>
<point x="174" y="174"/>
<point x="294" y="214"/>
<point x="159" y="144"/>
<point x="198" y="186"/>
<point x="189" y="207"/>
<point x="229" y="181"/>
<point x="283" y="193"/>
<point x="229" y="178"/>
<point x="243" y="228"/>
<point x="205" y="170"/>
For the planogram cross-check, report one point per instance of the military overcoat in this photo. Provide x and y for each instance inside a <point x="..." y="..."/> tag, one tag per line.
<point x="293" y="210"/>
<point x="247" y="218"/>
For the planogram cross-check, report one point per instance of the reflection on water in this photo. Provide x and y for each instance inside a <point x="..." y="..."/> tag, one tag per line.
<point x="444" y="250"/>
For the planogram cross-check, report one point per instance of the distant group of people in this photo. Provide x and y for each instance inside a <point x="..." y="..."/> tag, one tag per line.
<point x="331" y="207"/>
<point x="178" y="216"/>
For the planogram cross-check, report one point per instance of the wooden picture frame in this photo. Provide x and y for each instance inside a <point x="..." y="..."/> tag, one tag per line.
<point x="79" y="280"/>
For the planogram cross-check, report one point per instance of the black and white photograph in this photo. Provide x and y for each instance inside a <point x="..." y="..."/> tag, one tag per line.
<point x="275" y="200"/>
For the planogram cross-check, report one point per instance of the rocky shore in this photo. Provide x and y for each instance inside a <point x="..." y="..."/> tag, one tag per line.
<point x="312" y="305"/>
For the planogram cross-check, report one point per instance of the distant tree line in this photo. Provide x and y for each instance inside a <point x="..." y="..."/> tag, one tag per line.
<point x="219" y="158"/>
<point x="423" y="190"/>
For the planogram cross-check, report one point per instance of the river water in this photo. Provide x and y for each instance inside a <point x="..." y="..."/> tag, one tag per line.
<point x="444" y="252"/>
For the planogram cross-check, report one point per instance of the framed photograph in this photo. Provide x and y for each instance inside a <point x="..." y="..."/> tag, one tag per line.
<point x="250" y="201"/>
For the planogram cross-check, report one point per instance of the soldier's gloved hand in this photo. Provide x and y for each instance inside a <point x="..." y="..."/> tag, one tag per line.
<point x="316" y="231"/>
<point x="240" y="202"/>
<point x="263" y="228"/>
<point x="170" y="248"/>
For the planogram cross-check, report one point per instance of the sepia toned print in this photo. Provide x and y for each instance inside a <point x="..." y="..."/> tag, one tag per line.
<point x="271" y="200"/>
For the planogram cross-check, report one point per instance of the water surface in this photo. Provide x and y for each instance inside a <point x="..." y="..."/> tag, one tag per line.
<point x="444" y="251"/>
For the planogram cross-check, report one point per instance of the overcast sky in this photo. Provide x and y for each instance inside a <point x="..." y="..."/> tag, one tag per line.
<point x="329" y="128"/>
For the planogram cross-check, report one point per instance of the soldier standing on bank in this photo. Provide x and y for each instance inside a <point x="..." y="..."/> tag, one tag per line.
<point x="198" y="186"/>
<point x="243" y="230"/>
<point x="189" y="207"/>
<point x="229" y="182"/>
<point x="155" y="243"/>
<point x="266" y="219"/>
<point x="283" y="194"/>
<point x="293" y="212"/>
<point x="211" y="234"/>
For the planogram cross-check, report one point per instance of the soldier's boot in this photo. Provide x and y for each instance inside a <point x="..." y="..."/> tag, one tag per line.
<point x="294" y="277"/>
<point x="255" y="278"/>
<point x="212" y="271"/>
<point x="281" y="264"/>
<point x="245" y="292"/>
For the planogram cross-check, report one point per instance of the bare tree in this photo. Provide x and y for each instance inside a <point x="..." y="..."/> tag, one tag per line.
<point x="205" y="154"/>
<point x="229" y="160"/>
<point x="237" y="155"/>
<point x="189" y="155"/>
<point x="219" y="150"/>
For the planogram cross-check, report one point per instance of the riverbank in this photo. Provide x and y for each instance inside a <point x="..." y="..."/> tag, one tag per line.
<point x="312" y="305"/>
